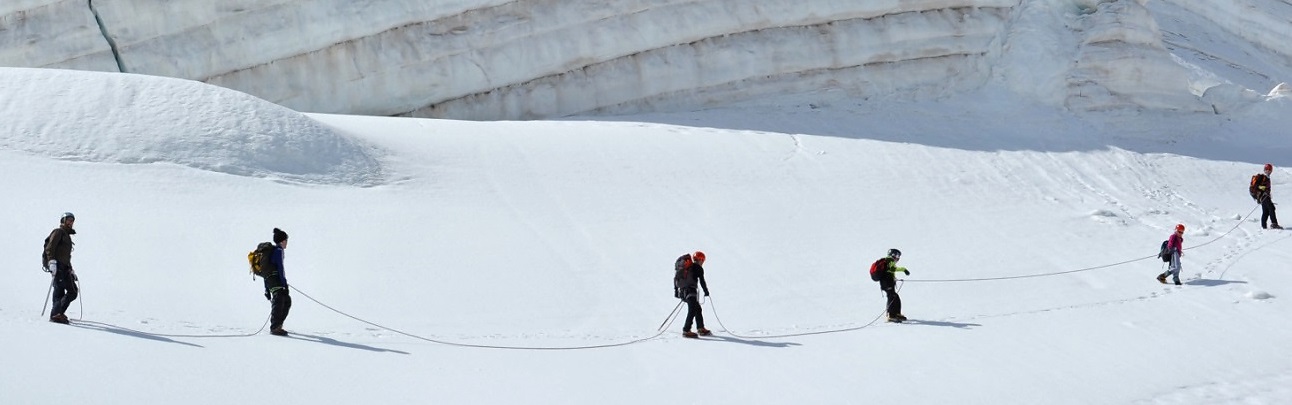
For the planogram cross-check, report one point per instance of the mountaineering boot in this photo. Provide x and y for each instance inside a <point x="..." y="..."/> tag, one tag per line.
<point x="1161" y="278"/>
<point x="59" y="318"/>
<point x="1276" y="226"/>
<point x="705" y="332"/>
<point x="1177" y="282"/>
<point x="896" y="319"/>
<point x="901" y="317"/>
<point x="278" y="332"/>
<point x="690" y="334"/>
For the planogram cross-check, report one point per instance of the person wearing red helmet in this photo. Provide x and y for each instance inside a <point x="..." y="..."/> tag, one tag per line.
<point x="1260" y="190"/>
<point x="688" y="273"/>
<point x="1174" y="245"/>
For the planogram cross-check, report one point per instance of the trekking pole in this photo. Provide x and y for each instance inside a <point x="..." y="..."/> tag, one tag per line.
<point x="47" y="293"/>
<point x="80" y="300"/>
<point x="670" y="315"/>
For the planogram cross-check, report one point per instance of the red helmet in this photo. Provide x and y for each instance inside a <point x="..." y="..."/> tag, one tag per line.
<point x="1269" y="167"/>
<point x="698" y="257"/>
<point x="1179" y="227"/>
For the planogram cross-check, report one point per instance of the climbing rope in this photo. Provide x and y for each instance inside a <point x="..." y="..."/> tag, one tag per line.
<point x="81" y="299"/>
<point x="713" y="305"/>
<point x="668" y="321"/>
<point x="955" y="280"/>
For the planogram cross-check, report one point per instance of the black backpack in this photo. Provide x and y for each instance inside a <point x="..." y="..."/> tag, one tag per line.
<point x="1163" y="253"/>
<point x="681" y="271"/>
<point x="44" y="258"/>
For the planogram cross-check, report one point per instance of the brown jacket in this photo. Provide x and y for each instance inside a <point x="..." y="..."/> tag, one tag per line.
<point x="59" y="246"/>
<point x="1260" y="188"/>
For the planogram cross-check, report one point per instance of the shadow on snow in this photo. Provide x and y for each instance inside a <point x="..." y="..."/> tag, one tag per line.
<point x="334" y="342"/>
<point x="957" y="325"/>
<point x="103" y="327"/>
<point x="1212" y="283"/>
<point x="759" y="343"/>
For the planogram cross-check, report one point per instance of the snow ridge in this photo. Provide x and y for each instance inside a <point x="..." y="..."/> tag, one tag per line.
<point x="221" y="130"/>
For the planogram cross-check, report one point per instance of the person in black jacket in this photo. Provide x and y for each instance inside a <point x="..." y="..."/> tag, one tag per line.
<point x="689" y="272"/>
<point x="58" y="256"/>
<point x="276" y="285"/>
<point x="1260" y="190"/>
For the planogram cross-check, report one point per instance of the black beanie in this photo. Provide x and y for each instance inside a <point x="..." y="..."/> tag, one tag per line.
<point x="279" y="235"/>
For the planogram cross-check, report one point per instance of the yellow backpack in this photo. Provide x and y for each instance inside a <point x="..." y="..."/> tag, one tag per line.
<point x="259" y="258"/>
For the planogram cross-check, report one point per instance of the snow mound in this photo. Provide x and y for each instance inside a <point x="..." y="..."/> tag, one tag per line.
<point x="1259" y="295"/>
<point x="146" y="119"/>
<point x="1282" y="90"/>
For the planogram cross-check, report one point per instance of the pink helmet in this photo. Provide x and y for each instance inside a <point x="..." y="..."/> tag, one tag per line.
<point x="1179" y="227"/>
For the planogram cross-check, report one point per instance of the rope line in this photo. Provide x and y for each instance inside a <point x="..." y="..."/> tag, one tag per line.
<point x="668" y="322"/>
<point x="956" y="280"/>
<point x="713" y="305"/>
<point x="80" y="299"/>
<point x="1240" y="257"/>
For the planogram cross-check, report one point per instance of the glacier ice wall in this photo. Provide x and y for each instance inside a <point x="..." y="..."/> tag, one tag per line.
<point x="527" y="59"/>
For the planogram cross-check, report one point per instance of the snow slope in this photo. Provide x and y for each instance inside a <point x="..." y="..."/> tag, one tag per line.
<point x="559" y="235"/>
<point x="440" y="261"/>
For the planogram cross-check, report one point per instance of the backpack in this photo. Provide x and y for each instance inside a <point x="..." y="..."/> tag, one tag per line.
<point x="44" y="258"/>
<point x="1251" y="189"/>
<point x="681" y="271"/>
<point x="877" y="270"/>
<point x="1163" y="253"/>
<point x="259" y="258"/>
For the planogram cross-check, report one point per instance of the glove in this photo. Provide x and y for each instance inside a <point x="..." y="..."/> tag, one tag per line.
<point x="51" y="266"/>
<point x="706" y="293"/>
<point x="904" y="270"/>
<point x="267" y="296"/>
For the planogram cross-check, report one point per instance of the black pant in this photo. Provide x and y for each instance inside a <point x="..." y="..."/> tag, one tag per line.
<point x="1267" y="212"/>
<point x="65" y="291"/>
<point x="281" y="303"/>
<point x="894" y="302"/>
<point x="693" y="311"/>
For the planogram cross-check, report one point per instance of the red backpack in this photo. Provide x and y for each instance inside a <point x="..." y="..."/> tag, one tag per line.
<point x="878" y="268"/>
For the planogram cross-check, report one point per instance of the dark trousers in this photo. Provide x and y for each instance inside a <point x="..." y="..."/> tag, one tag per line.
<point x="894" y="302"/>
<point x="693" y="311"/>
<point x="281" y="303"/>
<point x="65" y="291"/>
<point x="1267" y="213"/>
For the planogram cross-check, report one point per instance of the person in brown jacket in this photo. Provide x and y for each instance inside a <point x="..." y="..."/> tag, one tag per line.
<point x="1260" y="190"/>
<point x="58" y="262"/>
